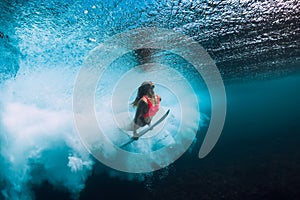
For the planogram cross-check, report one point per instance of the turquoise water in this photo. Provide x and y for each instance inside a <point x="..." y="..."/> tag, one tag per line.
<point x="255" y="46"/>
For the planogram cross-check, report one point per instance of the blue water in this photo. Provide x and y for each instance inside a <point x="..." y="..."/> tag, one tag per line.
<point x="255" y="45"/>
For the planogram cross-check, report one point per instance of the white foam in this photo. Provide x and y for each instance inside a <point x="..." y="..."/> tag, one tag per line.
<point x="38" y="139"/>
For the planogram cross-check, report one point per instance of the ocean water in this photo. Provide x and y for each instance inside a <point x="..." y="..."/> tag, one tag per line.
<point x="255" y="47"/>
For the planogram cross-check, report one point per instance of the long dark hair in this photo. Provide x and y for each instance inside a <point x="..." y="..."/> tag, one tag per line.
<point x="142" y="91"/>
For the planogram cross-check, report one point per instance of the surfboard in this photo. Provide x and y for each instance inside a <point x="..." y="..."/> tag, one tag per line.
<point x="143" y="132"/>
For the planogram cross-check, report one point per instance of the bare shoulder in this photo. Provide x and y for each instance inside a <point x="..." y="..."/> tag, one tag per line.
<point x="143" y="99"/>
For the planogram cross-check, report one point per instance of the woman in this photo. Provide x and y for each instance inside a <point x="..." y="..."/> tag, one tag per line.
<point x="147" y="103"/>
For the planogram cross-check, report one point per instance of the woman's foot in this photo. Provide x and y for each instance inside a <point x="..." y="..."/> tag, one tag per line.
<point x="135" y="136"/>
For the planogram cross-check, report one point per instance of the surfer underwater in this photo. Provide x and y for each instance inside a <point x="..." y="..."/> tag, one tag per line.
<point x="147" y="103"/>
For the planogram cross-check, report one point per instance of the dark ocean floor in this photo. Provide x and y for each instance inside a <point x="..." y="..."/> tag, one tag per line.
<point x="258" y="154"/>
<point x="256" y="157"/>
